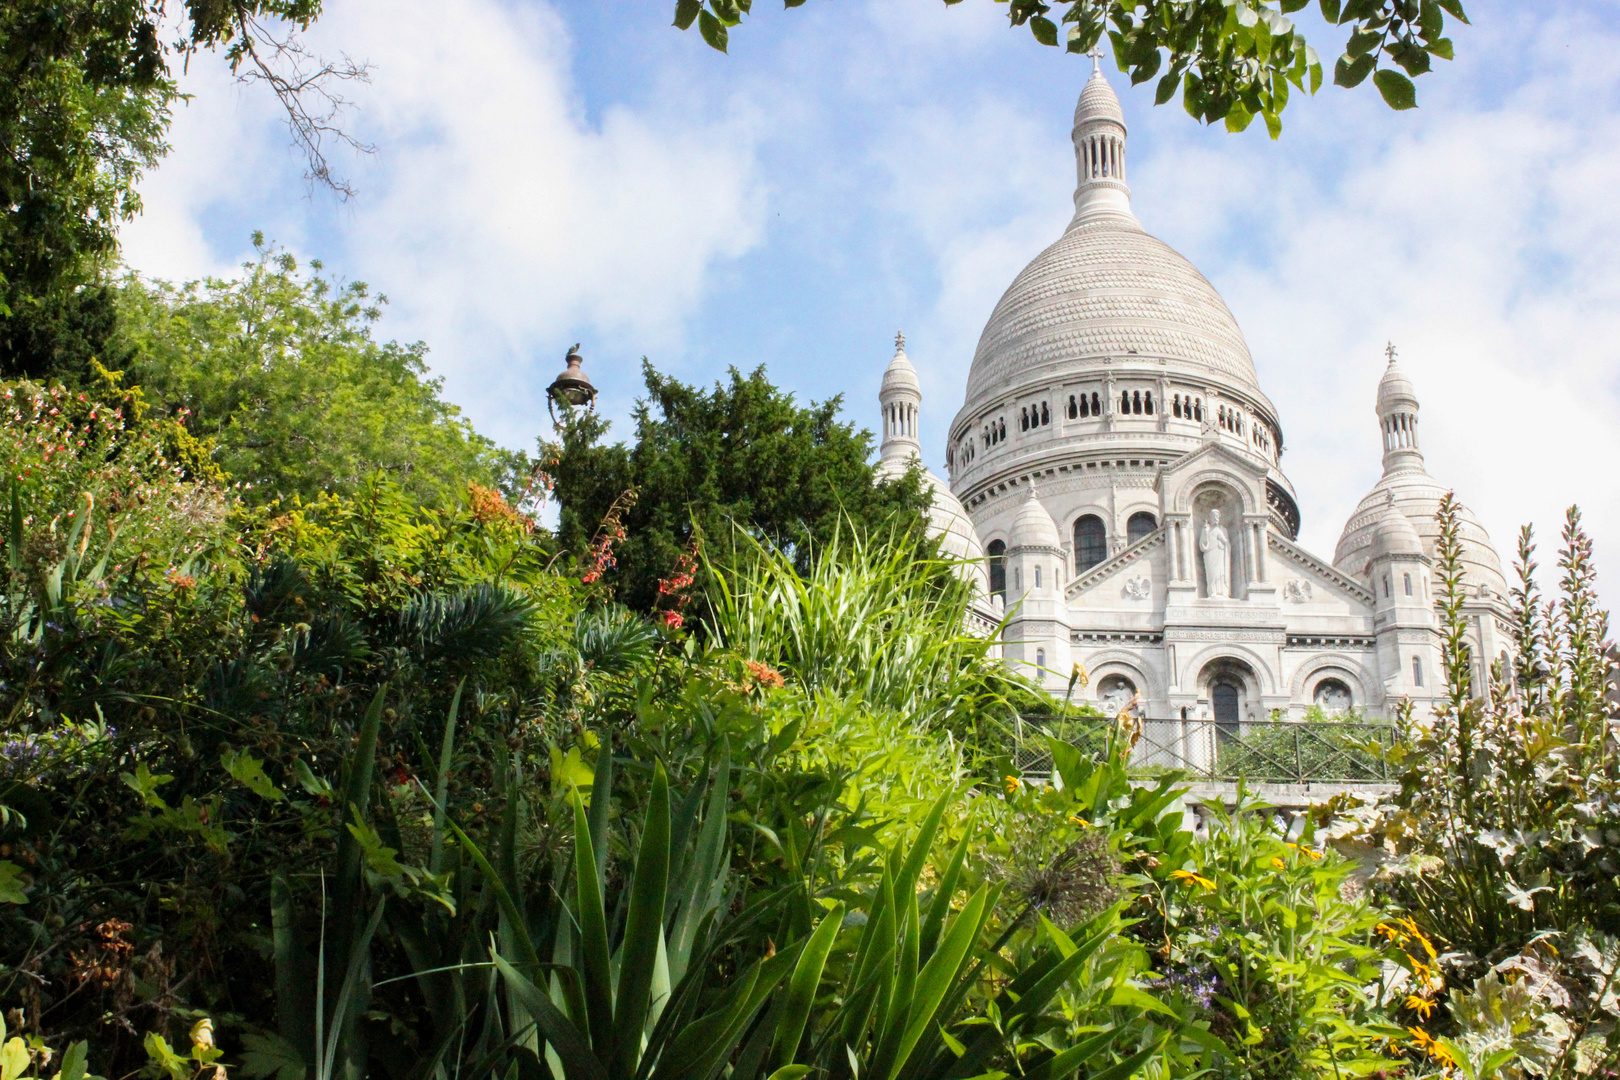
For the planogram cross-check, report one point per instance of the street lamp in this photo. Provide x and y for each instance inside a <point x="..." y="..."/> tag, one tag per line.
<point x="572" y="388"/>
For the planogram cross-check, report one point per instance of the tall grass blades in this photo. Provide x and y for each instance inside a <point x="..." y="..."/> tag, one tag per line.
<point x="872" y="620"/>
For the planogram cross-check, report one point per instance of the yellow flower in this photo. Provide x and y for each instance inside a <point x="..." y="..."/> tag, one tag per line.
<point x="1279" y="864"/>
<point x="1431" y="1046"/>
<point x="1012" y="784"/>
<point x="1420" y="1005"/>
<point x="1196" y="879"/>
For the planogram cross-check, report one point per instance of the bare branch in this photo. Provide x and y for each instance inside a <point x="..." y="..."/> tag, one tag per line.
<point x="309" y="89"/>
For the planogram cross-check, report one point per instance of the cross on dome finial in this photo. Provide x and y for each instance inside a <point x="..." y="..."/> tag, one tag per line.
<point x="1390" y="351"/>
<point x="1095" y="52"/>
<point x="899" y="341"/>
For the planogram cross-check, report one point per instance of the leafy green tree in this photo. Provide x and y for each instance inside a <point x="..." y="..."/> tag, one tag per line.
<point x="85" y="97"/>
<point x="743" y="452"/>
<point x="279" y="368"/>
<point x="1232" y="60"/>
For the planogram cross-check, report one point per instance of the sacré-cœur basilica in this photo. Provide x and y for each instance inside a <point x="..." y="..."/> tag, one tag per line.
<point x="1115" y="483"/>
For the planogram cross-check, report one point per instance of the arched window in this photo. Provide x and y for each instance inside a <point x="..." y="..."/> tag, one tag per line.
<point x="1136" y="402"/>
<point x="1040" y="658"/>
<point x="1023" y="420"/>
<point x="1198" y="409"/>
<point x="1417" y="671"/>
<point x="1407" y="578"/>
<point x="1096" y="404"/>
<point x="1147" y="402"/>
<point x="1124" y="401"/>
<point x="1074" y="408"/>
<point x="1085" y="405"/>
<point x="1386" y="586"/>
<point x="998" y="568"/>
<point x="1046" y="414"/>
<point x="1037" y="575"/>
<point x="1003" y="435"/>
<point x="1175" y="407"/>
<point x="1140" y="525"/>
<point x="1090" y="542"/>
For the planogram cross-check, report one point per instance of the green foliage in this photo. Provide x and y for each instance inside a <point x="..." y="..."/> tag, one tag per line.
<point x="279" y="371"/>
<point x="744" y="452"/>
<point x="869" y="621"/>
<point x="1262" y="925"/>
<point x="1232" y="60"/>
<point x="85" y="99"/>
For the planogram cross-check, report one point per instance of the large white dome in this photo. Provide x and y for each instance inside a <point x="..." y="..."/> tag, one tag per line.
<point x="1107" y="291"/>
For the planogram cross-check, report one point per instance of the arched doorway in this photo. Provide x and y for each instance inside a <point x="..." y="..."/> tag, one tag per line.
<point x="1226" y="701"/>
<point x="1233" y="691"/>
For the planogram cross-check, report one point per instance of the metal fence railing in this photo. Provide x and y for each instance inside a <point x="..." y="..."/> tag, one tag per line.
<point x="1264" y="751"/>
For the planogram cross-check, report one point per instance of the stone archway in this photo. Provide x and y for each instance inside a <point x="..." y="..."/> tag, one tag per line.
<point x="1232" y="688"/>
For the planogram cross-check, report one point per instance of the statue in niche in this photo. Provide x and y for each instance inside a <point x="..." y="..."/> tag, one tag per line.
<point x="1216" y="546"/>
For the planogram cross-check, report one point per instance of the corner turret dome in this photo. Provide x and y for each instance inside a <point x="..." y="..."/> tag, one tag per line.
<point x="1034" y="527"/>
<point x="1394" y="534"/>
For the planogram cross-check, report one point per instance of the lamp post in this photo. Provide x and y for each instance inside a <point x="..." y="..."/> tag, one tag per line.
<point x="572" y="388"/>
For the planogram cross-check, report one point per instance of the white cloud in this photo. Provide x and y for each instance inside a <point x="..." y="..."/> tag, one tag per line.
<point x="501" y="221"/>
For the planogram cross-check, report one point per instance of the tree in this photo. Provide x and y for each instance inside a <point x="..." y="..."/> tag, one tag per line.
<point x="1233" y="60"/>
<point x="280" y="370"/>
<point x="743" y="452"/>
<point x="85" y="95"/>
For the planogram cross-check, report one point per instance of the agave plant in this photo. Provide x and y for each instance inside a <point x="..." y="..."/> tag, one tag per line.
<point x="882" y="984"/>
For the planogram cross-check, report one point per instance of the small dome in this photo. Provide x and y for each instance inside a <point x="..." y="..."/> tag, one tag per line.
<point x="1417" y="496"/>
<point x="1034" y="527"/>
<point x="1394" y="534"/>
<point x="1098" y="102"/>
<point x="900" y="375"/>
<point x="1395" y="388"/>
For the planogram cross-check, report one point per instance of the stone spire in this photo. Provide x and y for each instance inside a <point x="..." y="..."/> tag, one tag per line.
<point x="901" y="400"/>
<point x="1398" y="419"/>
<point x="1099" y="151"/>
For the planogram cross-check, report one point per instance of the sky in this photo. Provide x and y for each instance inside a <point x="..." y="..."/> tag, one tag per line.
<point x="545" y="173"/>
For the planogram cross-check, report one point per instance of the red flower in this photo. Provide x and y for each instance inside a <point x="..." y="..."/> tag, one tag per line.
<point x="674" y="620"/>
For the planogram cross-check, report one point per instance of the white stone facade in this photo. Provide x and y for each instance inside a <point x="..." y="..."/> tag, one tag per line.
<point x="1112" y="415"/>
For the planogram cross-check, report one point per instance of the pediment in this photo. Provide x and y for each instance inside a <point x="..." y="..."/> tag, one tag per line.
<point x="1212" y="453"/>
<point x="1293" y="563"/>
<point x="1144" y="551"/>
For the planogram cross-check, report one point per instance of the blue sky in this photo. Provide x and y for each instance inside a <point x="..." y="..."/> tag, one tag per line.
<point x="555" y="172"/>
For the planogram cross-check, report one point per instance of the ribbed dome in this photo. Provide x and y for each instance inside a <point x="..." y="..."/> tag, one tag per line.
<point x="1417" y="496"/>
<point x="1395" y="388"/>
<point x="1106" y="289"/>
<point x="1394" y="534"/>
<point x="1098" y="102"/>
<point x="900" y="375"/>
<point x="1034" y="527"/>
